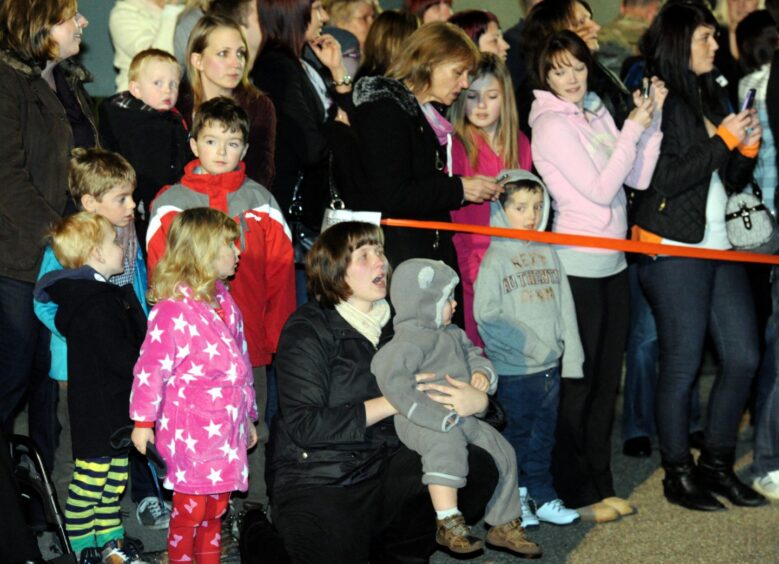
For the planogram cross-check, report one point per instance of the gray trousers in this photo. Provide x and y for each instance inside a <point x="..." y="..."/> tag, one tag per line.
<point x="258" y="491"/>
<point x="445" y="461"/>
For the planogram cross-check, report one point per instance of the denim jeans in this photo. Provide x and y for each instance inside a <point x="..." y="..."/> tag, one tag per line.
<point x="767" y="402"/>
<point x="530" y="402"/>
<point x="689" y="297"/>
<point x="638" y="413"/>
<point x="24" y="367"/>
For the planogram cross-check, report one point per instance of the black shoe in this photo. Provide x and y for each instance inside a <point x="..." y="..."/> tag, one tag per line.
<point x="637" y="447"/>
<point x="697" y="440"/>
<point x="681" y="487"/>
<point x="715" y="473"/>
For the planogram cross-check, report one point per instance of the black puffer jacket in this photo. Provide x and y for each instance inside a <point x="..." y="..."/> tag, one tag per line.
<point x="319" y="436"/>
<point x="35" y="143"/>
<point x="674" y="206"/>
<point x="404" y="163"/>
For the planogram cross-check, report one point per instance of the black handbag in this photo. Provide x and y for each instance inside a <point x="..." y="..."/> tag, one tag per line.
<point x="303" y="237"/>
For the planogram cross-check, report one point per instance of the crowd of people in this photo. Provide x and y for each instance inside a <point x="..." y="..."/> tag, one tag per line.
<point x="168" y="290"/>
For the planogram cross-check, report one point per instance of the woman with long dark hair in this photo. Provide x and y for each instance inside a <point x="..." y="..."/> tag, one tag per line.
<point x="707" y="152"/>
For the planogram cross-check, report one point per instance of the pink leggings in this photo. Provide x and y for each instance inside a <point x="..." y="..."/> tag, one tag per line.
<point x="195" y="527"/>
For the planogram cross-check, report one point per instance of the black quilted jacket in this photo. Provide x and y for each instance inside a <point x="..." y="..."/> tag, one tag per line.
<point x="674" y="206"/>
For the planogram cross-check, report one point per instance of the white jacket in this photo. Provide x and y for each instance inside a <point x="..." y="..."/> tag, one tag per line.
<point x="136" y="25"/>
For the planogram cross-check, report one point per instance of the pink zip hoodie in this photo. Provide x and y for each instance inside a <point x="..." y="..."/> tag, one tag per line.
<point x="584" y="160"/>
<point x="472" y="248"/>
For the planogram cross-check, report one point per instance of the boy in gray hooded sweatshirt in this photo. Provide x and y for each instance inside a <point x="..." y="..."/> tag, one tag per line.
<point x="425" y="340"/>
<point x="526" y="316"/>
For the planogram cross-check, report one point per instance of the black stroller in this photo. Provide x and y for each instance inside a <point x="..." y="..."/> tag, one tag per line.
<point x="39" y="498"/>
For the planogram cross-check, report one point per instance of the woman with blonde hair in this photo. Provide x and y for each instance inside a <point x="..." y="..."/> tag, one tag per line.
<point x="355" y="16"/>
<point x="217" y="65"/>
<point x="487" y="141"/>
<point x="406" y="143"/>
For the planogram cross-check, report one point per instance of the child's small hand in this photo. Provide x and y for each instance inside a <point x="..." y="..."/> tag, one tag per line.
<point x="480" y="381"/>
<point x="140" y="436"/>
<point x="251" y="438"/>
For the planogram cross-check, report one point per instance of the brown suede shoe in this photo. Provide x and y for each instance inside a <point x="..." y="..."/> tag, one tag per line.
<point x="623" y="506"/>
<point x="511" y="537"/>
<point x="598" y="513"/>
<point x="453" y="533"/>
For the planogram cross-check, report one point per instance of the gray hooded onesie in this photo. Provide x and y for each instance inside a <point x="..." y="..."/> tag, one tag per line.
<point x="419" y="290"/>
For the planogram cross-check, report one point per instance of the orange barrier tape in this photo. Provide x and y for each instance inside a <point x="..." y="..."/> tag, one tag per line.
<point x="587" y="241"/>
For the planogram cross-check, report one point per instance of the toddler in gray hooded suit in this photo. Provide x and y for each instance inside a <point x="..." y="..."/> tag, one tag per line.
<point x="425" y="341"/>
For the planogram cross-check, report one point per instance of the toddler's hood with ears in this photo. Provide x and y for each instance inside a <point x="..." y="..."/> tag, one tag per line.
<point x="498" y="217"/>
<point x="419" y="290"/>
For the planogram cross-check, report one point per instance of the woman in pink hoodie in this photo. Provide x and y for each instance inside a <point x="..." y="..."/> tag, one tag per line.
<point x="585" y="161"/>
<point x="193" y="393"/>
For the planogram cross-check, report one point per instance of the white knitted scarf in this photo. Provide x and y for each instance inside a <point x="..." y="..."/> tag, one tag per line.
<point x="368" y="324"/>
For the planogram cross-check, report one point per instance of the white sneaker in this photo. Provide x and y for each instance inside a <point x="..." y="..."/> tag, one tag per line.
<point x="767" y="484"/>
<point x="556" y="513"/>
<point x="529" y="519"/>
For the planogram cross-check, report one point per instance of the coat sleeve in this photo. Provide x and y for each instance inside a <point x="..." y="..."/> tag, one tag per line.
<point x="260" y="162"/>
<point x="19" y="197"/>
<point x="46" y="311"/>
<point x="682" y="164"/>
<point x="395" y="367"/>
<point x="156" y="236"/>
<point x="303" y="375"/>
<point x="478" y="362"/>
<point x="280" y="275"/>
<point x="573" y="353"/>
<point x="283" y="82"/>
<point x="240" y="336"/>
<point x="131" y="33"/>
<point x="556" y="141"/>
<point x="497" y="326"/>
<point x="156" y="363"/>
<point x="647" y="153"/>
<point x="383" y="129"/>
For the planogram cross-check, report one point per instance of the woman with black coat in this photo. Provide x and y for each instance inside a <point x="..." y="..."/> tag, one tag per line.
<point x="343" y="488"/>
<point x="404" y="141"/>
<point x="707" y="152"/>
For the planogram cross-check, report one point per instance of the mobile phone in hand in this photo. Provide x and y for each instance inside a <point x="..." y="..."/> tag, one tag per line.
<point x="646" y="88"/>
<point x="749" y="100"/>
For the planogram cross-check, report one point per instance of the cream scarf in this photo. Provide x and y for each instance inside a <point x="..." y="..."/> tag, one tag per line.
<point x="368" y="324"/>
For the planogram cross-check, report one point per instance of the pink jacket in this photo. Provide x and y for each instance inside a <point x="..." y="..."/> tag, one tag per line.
<point x="471" y="248"/>
<point x="584" y="160"/>
<point x="193" y="378"/>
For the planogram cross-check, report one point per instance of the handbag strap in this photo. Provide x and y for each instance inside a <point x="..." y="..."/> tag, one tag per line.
<point x="296" y="206"/>
<point x="336" y="202"/>
<point x="756" y="189"/>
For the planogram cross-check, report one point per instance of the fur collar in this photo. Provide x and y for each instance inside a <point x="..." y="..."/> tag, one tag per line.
<point x="374" y="88"/>
<point x="17" y="64"/>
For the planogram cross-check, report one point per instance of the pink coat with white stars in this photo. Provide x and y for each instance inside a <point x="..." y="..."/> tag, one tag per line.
<point x="193" y="378"/>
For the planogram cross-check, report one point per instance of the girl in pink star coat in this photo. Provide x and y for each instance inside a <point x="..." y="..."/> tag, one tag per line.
<point x="193" y="395"/>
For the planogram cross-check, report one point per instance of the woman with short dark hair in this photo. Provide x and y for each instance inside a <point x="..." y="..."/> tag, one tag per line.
<point x="484" y="30"/>
<point x="343" y="488"/>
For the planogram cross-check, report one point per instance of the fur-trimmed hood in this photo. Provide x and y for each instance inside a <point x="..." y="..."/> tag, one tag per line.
<point x="373" y="88"/>
<point x="17" y="64"/>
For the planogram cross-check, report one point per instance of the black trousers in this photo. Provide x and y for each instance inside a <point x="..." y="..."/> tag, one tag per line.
<point x="581" y="460"/>
<point x="386" y="519"/>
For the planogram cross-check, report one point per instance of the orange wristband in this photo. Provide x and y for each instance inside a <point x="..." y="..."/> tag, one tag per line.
<point x="749" y="151"/>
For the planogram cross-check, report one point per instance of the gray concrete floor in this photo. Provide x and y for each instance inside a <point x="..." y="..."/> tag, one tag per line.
<point x="659" y="532"/>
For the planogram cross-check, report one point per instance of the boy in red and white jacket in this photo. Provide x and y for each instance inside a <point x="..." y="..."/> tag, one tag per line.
<point x="264" y="284"/>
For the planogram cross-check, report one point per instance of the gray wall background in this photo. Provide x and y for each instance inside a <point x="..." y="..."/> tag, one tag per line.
<point x="97" y="52"/>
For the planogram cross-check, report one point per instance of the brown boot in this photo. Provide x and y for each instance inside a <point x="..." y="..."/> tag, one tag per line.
<point x="453" y="533"/>
<point x="511" y="536"/>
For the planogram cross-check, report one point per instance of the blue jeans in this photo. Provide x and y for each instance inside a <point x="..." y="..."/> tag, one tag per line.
<point x="767" y="401"/>
<point x="638" y="414"/>
<point x="530" y="403"/>
<point x="689" y="297"/>
<point x="24" y="367"/>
